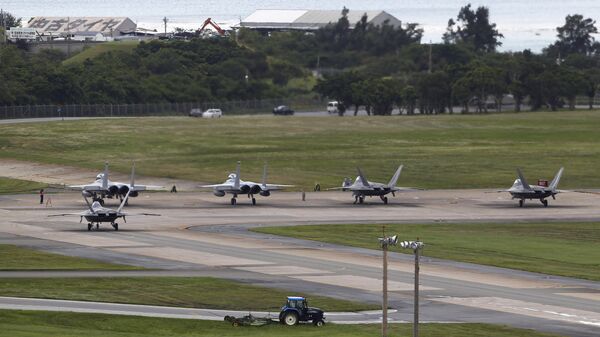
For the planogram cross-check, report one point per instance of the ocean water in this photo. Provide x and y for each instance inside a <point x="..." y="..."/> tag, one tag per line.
<point x="525" y="24"/>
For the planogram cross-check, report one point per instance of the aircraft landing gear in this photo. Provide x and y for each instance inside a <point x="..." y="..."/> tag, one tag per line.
<point x="545" y="203"/>
<point x="233" y="201"/>
<point x="355" y="200"/>
<point x="521" y="202"/>
<point x="361" y="200"/>
<point x="97" y="226"/>
<point x="89" y="226"/>
<point x="384" y="199"/>
<point x="115" y="226"/>
<point x="253" y="201"/>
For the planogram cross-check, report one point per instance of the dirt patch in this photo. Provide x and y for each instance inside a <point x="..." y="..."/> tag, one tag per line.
<point x="60" y="176"/>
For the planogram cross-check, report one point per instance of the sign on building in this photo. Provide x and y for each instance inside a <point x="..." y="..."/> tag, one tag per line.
<point x="19" y="33"/>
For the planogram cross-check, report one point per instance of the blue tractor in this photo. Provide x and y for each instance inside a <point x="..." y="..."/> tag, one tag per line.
<point x="297" y="310"/>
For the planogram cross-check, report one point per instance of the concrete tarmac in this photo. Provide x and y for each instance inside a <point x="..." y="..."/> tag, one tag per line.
<point x="200" y="234"/>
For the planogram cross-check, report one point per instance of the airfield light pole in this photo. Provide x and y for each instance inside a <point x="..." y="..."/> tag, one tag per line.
<point x="416" y="246"/>
<point x="385" y="242"/>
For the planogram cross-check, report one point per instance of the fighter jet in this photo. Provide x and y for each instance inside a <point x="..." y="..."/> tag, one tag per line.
<point x="522" y="190"/>
<point x="104" y="188"/>
<point x="235" y="186"/>
<point x="96" y="214"/>
<point x="362" y="187"/>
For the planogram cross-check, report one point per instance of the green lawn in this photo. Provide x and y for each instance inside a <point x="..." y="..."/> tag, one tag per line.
<point x="567" y="249"/>
<point x="473" y="151"/>
<point x="12" y="186"/>
<point x="97" y="49"/>
<point x="192" y="292"/>
<point x="18" y="258"/>
<point x="39" y="323"/>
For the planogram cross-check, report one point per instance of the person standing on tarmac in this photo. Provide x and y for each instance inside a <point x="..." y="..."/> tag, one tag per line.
<point x="42" y="196"/>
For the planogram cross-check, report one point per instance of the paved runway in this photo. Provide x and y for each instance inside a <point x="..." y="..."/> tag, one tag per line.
<point x="201" y="234"/>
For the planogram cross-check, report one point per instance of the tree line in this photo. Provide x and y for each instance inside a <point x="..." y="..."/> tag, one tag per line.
<point x="466" y="70"/>
<point x="379" y="67"/>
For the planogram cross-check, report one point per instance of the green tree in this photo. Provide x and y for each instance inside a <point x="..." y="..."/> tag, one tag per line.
<point x="473" y="27"/>
<point x="8" y="20"/>
<point x="574" y="37"/>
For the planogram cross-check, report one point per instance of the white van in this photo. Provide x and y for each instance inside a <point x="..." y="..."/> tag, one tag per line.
<point x="332" y="107"/>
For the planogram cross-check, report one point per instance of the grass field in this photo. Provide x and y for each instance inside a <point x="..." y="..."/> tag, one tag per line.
<point x="17" y="258"/>
<point x="191" y="292"/>
<point x="12" y="186"/>
<point x="567" y="249"/>
<point x="97" y="49"/>
<point x="29" y="324"/>
<point x="474" y="151"/>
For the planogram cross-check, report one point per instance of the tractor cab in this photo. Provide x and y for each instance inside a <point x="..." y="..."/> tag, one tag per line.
<point x="297" y="303"/>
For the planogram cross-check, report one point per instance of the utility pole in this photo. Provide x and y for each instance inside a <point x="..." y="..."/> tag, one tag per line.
<point x="385" y="242"/>
<point x="165" y="20"/>
<point x="416" y="300"/>
<point x="416" y="246"/>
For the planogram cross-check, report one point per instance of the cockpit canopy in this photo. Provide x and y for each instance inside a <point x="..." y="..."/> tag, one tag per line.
<point x="517" y="183"/>
<point x="96" y="205"/>
<point x="231" y="176"/>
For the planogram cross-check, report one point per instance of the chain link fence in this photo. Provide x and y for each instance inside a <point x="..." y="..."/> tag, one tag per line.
<point x="156" y="109"/>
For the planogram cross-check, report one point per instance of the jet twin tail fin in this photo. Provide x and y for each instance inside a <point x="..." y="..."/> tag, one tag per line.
<point x="132" y="182"/>
<point x="264" y="177"/>
<point x="556" y="180"/>
<point x="395" y="177"/>
<point x="236" y="184"/>
<point x="522" y="178"/>
<point x="123" y="202"/>
<point x="363" y="180"/>
<point x="105" y="177"/>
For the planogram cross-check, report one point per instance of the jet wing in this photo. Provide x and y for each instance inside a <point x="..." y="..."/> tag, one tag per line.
<point x="90" y="188"/>
<point x="221" y="187"/>
<point x="68" y="214"/>
<point x="406" y="189"/>
<point x="147" y="187"/>
<point x="274" y="187"/>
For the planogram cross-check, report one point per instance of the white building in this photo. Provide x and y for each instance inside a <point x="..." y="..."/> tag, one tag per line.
<point x="310" y="20"/>
<point x="107" y="26"/>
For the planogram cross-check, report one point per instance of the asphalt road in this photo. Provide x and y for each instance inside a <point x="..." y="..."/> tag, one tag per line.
<point x="200" y="234"/>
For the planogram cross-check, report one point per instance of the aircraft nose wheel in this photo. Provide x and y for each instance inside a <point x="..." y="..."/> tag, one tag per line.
<point x="545" y="203"/>
<point x="89" y="226"/>
<point x="116" y="226"/>
<point x="521" y="202"/>
<point x="233" y="201"/>
<point x="385" y="200"/>
<point x="253" y="201"/>
<point x="361" y="200"/>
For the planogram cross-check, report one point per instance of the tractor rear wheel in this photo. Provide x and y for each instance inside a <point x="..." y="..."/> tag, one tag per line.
<point x="290" y="318"/>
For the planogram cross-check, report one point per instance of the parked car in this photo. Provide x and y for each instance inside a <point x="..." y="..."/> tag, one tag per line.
<point x="195" y="112"/>
<point x="283" y="110"/>
<point x="212" y="113"/>
<point x="332" y="107"/>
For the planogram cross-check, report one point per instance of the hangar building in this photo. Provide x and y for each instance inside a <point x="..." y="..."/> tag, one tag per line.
<point x="310" y="20"/>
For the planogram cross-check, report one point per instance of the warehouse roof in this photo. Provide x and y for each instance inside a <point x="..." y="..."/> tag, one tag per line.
<point x="272" y="19"/>
<point x="57" y="25"/>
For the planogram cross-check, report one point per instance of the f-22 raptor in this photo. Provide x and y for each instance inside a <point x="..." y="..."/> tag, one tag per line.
<point x="97" y="214"/>
<point x="361" y="187"/>
<point x="522" y="190"/>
